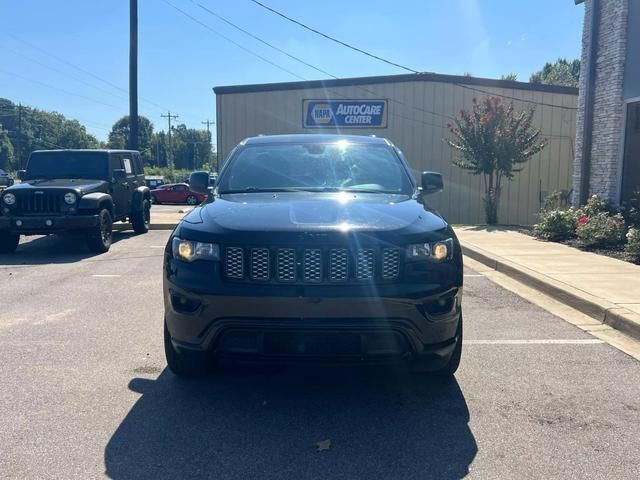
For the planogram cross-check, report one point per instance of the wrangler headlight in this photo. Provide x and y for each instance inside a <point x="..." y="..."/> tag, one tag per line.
<point x="438" y="251"/>
<point x="70" y="198"/>
<point x="9" y="198"/>
<point x="188" y="251"/>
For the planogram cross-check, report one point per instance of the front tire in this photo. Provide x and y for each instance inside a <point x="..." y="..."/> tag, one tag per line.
<point x="191" y="200"/>
<point x="142" y="219"/>
<point x="100" y="237"/>
<point x="183" y="363"/>
<point x="8" y="242"/>
<point x="154" y="200"/>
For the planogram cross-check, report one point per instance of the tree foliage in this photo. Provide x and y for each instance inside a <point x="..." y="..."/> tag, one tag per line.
<point x="7" y="157"/>
<point x="119" y="136"/>
<point x="562" y="72"/>
<point x="509" y="76"/>
<point x="494" y="141"/>
<point x="191" y="148"/>
<point x="30" y="129"/>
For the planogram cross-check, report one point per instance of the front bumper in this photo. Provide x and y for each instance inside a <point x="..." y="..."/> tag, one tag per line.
<point x="42" y="224"/>
<point x="327" y="323"/>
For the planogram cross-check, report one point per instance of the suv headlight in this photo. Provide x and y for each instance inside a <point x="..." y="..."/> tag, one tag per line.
<point x="9" y="198"/>
<point x="70" y="198"/>
<point x="188" y="251"/>
<point x="439" y="251"/>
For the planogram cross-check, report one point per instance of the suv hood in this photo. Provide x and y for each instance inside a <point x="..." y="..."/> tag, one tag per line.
<point x="307" y="211"/>
<point x="81" y="185"/>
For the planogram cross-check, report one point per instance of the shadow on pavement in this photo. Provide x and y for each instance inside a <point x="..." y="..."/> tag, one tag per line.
<point x="248" y="422"/>
<point x="38" y="250"/>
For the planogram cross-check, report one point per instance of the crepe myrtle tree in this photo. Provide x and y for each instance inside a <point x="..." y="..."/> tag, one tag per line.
<point x="494" y="140"/>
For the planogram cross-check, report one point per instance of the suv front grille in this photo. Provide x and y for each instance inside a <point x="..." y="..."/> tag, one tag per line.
<point x="312" y="265"/>
<point x="234" y="263"/>
<point x="39" y="202"/>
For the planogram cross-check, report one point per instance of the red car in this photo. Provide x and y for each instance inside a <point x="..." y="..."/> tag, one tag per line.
<point x="176" y="193"/>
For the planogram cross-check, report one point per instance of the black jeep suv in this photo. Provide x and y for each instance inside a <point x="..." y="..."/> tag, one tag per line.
<point x="75" y="191"/>
<point x="314" y="247"/>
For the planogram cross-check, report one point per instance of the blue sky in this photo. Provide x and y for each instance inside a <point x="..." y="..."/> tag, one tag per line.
<point x="180" y="61"/>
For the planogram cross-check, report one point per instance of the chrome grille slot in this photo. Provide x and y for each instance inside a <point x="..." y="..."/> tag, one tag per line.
<point x="260" y="264"/>
<point x="286" y="265"/>
<point x="365" y="264"/>
<point x="312" y="265"/>
<point x="339" y="265"/>
<point x="234" y="262"/>
<point x="390" y="263"/>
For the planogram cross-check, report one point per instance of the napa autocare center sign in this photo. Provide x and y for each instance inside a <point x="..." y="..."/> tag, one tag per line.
<point x="344" y="113"/>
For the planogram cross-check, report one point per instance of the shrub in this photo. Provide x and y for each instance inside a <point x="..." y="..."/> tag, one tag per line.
<point x="631" y="210"/>
<point x="556" y="224"/>
<point x="594" y="206"/>
<point x="601" y="229"/>
<point x="633" y="243"/>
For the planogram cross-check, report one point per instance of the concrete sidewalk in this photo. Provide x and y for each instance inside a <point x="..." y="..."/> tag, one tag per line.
<point x="604" y="288"/>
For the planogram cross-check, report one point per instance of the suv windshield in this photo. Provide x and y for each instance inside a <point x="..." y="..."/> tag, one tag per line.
<point x="315" y="167"/>
<point x="67" y="165"/>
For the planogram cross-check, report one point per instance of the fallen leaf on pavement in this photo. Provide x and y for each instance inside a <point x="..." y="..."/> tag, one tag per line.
<point x="323" y="445"/>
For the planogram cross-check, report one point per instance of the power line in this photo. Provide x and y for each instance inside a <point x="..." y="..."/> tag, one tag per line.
<point x="251" y="52"/>
<point x="486" y="92"/>
<point x="396" y="64"/>
<point x="393" y="100"/>
<point x="80" y="69"/>
<point x="63" y="73"/>
<point x="228" y="22"/>
<point x="340" y="42"/>
<point x="59" y="89"/>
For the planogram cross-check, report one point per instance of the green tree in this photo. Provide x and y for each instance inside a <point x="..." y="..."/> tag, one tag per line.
<point x="119" y="135"/>
<point x="7" y="158"/>
<point x="493" y="140"/>
<point x="562" y="72"/>
<point x="191" y="148"/>
<point x="33" y="129"/>
<point x="509" y="76"/>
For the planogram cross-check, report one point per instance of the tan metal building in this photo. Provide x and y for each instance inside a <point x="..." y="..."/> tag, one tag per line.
<point x="413" y="112"/>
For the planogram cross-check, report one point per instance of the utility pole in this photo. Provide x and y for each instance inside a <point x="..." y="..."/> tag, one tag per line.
<point x="169" y="116"/>
<point x="20" y="165"/>
<point x="133" y="74"/>
<point x="208" y="123"/>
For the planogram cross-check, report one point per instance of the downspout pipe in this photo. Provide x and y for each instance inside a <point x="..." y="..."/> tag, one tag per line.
<point x="589" y="95"/>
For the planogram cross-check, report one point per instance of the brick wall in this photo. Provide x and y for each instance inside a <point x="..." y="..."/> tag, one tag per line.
<point x="609" y="105"/>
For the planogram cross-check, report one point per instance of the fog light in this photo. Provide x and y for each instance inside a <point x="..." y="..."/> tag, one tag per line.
<point x="5" y="210"/>
<point x="183" y="304"/>
<point x="48" y="223"/>
<point x="18" y="223"/>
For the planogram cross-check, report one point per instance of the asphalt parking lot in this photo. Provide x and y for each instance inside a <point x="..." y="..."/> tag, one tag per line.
<point x="85" y="393"/>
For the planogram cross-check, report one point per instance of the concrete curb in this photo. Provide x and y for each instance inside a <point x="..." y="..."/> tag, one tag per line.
<point x="154" y="226"/>
<point x="606" y="312"/>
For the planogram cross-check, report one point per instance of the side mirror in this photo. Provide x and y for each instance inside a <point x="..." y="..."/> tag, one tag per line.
<point x="22" y="174"/>
<point x="431" y="183"/>
<point x="199" y="182"/>
<point x="119" y="174"/>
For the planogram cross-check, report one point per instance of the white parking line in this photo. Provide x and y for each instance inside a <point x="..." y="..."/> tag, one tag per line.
<point x="106" y="276"/>
<point x="542" y="341"/>
<point x="473" y="275"/>
<point x="157" y="246"/>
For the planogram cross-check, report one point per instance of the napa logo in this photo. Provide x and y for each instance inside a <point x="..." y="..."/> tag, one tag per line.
<point x="321" y="113"/>
<point x="344" y="113"/>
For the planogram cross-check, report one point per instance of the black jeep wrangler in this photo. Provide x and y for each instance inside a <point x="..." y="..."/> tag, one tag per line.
<point x="81" y="191"/>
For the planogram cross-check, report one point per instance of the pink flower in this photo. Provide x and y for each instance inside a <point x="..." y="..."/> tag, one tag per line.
<point x="582" y="220"/>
